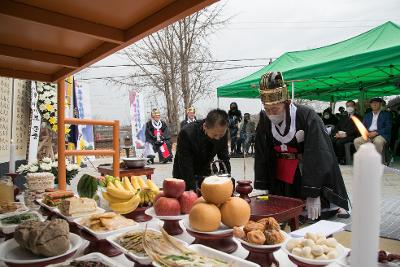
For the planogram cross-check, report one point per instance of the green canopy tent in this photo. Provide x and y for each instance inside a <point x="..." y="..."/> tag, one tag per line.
<point x="365" y="66"/>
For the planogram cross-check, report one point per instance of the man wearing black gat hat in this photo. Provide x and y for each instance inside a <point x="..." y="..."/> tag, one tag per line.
<point x="294" y="155"/>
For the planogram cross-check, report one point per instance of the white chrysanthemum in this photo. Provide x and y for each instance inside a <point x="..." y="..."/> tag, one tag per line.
<point x="69" y="168"/>
<point x="46" y="160"/>
<point x="33" y="168"/>
<point x="46" y="115"/>
<point x="47" y="101"/>
<point x="22" y="168"/>
<point x="75" y="167"/>
<point x="45" y="166"/>
<point x="39" y="89"/>
<point x="42" y="107"/>
<point x="54" y="164"/>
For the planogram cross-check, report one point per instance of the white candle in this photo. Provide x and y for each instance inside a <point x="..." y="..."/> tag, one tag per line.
<point x="11" y="166"/>
<point x="366" y="192"/>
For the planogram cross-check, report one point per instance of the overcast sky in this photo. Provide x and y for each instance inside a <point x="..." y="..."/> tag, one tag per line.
<point x="258" y="29"/>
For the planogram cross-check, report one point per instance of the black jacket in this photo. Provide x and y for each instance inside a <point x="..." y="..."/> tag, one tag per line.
<point x="320" y="175"/>
<point x="195" y="152"/>
<point x="347" y="125"/>
<point x="151" y="138"/>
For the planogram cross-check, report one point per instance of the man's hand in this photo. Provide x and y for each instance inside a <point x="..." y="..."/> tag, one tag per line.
<point x="338" y="136"/>
<point x="372" y="134"/>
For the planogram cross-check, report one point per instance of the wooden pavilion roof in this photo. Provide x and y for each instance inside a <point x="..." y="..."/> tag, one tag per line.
<point x="47" y="40"/>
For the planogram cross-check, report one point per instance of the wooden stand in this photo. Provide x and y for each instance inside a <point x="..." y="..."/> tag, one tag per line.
<point x="99" y="245"/>
<point x="172" y="227"/>
<point x="221" y="242"/>
<point x="262" y="256"/>
<point x="138" y="215"/>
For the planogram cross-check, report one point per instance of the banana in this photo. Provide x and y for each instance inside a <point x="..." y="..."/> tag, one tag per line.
<point x="152" y="185"/>
<point x="118" y="193"/>
<point x="110" y="198"/>
<point x="127" y="206"/>
<point x="141" y="196"/>
<point x="119" y="185"/>
<point x="152" y="195"/>
<point x="135" y="183"/>
<point x="127" y="184"/>
<point x="146" y="197"/>
<point x="142" y="184"/>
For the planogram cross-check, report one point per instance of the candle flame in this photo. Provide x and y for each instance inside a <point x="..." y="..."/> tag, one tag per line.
<point x="360" y="126"/>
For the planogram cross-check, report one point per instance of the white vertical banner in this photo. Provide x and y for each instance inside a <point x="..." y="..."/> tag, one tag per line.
<point x="136" y="109"/>
<point x="85" y="132"/>
<point x="35" y="124"/>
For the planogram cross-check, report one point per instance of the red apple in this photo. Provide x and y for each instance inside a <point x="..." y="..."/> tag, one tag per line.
<point x="166" y="206"/>
<point x="160" y="194"/>
<point x="187" y="200"/>
<point x="173" y="187"/>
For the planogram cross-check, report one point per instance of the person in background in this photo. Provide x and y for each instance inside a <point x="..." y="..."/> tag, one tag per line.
<point x="190" y="117"/>
<point x="158" y="135"/>
<point x="379" y="125"/>
<point x="395" y="128"/>
<point x="329" y="118"/>
<point x="197" y="145"/>
<point x="234" y="117"/>
<point x="294" y="154"/>
<point x="247" y="133"/>
<point x="345" y="131"/>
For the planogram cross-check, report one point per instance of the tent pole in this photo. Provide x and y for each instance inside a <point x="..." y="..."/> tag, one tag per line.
<point x="292" y="91"/>
<point x="217" y="102"/>
<point x="361" y="101"/>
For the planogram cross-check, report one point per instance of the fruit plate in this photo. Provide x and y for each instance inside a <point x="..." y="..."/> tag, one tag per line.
<point x="223" y="229"/>
<point x="104" y="234"/>
<point x="72" y="218"/>
<point x="287" y="237"/>
<point x="141" y="259"/>
<point x="212" y="253"/>
<point x="95" y="256"/>
<point x="153" y="214"/>
<point x="10" y="228"/>
<point x="342" y="253"/>
<point x="14" y="255"/>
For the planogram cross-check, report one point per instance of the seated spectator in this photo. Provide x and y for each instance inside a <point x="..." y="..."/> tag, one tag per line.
<point x="329" y="118"/>
<point x="395" y="128"/>
<point x="247" y="133"/>
<point x="345" y="131"/>
<point x="378" y="124"/>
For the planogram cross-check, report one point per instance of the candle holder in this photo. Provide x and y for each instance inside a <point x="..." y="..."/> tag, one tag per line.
<point x="244" y="188"/>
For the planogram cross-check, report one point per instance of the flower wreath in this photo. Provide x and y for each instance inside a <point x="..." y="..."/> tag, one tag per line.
<point x="47" y="106"/>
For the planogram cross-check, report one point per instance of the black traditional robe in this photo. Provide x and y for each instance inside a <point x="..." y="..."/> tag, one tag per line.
<point x="195" y="152"/>
<point x="164" y="138"/>
<point x="318" y="172"/>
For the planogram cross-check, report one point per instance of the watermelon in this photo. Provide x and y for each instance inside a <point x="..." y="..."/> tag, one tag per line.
<point x="87" y="186"/>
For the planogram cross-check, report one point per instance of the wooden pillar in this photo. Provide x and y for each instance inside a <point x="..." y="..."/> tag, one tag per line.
<point x="116" y="148"/>
<point x="62" y="185"/>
